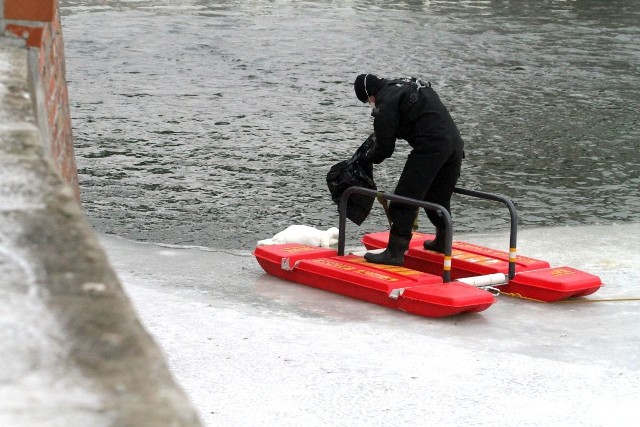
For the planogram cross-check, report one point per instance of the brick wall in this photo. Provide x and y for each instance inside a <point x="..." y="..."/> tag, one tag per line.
<point x="37" y="22"/>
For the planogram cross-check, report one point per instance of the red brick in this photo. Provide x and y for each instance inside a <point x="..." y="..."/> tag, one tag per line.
<point x="30" y="10"/>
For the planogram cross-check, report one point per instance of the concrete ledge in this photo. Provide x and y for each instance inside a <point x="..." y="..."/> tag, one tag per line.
<point x="72" y="349"/>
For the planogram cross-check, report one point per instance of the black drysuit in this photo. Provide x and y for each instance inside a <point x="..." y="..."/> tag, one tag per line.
<point x="407" y="111"/>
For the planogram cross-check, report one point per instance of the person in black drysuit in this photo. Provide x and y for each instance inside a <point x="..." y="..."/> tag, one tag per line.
<point x="411" y="110"/>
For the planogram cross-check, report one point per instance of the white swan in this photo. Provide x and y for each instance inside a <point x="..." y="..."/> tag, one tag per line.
<point x="304" y="235"/>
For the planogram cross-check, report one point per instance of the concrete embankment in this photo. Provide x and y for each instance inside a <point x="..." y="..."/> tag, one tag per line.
<point x="72" y="350"/>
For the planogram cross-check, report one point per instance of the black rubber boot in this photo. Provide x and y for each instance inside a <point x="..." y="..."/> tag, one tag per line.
<point x="437" y="244"/>
<point x="394" y="254"/>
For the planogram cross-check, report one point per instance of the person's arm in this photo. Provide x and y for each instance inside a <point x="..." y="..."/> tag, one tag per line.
<point x="384" y="125"/>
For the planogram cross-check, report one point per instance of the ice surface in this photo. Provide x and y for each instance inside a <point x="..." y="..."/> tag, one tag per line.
<point x="253" y="350"/>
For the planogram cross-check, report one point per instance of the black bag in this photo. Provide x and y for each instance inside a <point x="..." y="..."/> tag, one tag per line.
<point x="358" y="172"/>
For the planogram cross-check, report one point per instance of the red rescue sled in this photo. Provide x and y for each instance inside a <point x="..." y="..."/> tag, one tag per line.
<point x="423" y="285"/>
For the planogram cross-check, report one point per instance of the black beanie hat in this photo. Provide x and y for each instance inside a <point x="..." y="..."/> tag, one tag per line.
<point x="365" y="86"/>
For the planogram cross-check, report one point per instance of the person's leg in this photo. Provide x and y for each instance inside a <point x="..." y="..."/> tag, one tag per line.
<point x="416" y="178"/>
<point x="440" y="193"/>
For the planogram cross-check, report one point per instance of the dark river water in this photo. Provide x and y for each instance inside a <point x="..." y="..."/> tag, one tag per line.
<point x="215" y="123"/>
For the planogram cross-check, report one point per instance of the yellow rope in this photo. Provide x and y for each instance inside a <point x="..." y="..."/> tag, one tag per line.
<point x="516" y="295"/>
<point x="601" y="300"/>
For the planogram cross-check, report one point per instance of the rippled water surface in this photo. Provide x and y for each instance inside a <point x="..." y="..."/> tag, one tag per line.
<point x="215" y="124"/>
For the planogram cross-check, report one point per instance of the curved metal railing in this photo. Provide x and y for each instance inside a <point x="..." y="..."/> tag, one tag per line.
<point x="342" y="208"/>
<point x="446" y="274"/>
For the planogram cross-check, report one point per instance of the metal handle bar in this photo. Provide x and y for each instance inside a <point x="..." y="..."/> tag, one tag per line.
<point x="514" y="221"/>
<point x="446" y="274"/>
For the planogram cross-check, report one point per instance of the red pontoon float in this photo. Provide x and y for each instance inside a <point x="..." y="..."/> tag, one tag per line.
<point x="424" y="285"/>
<point x="350" y="275"/>
<point x="533" y="278"/>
